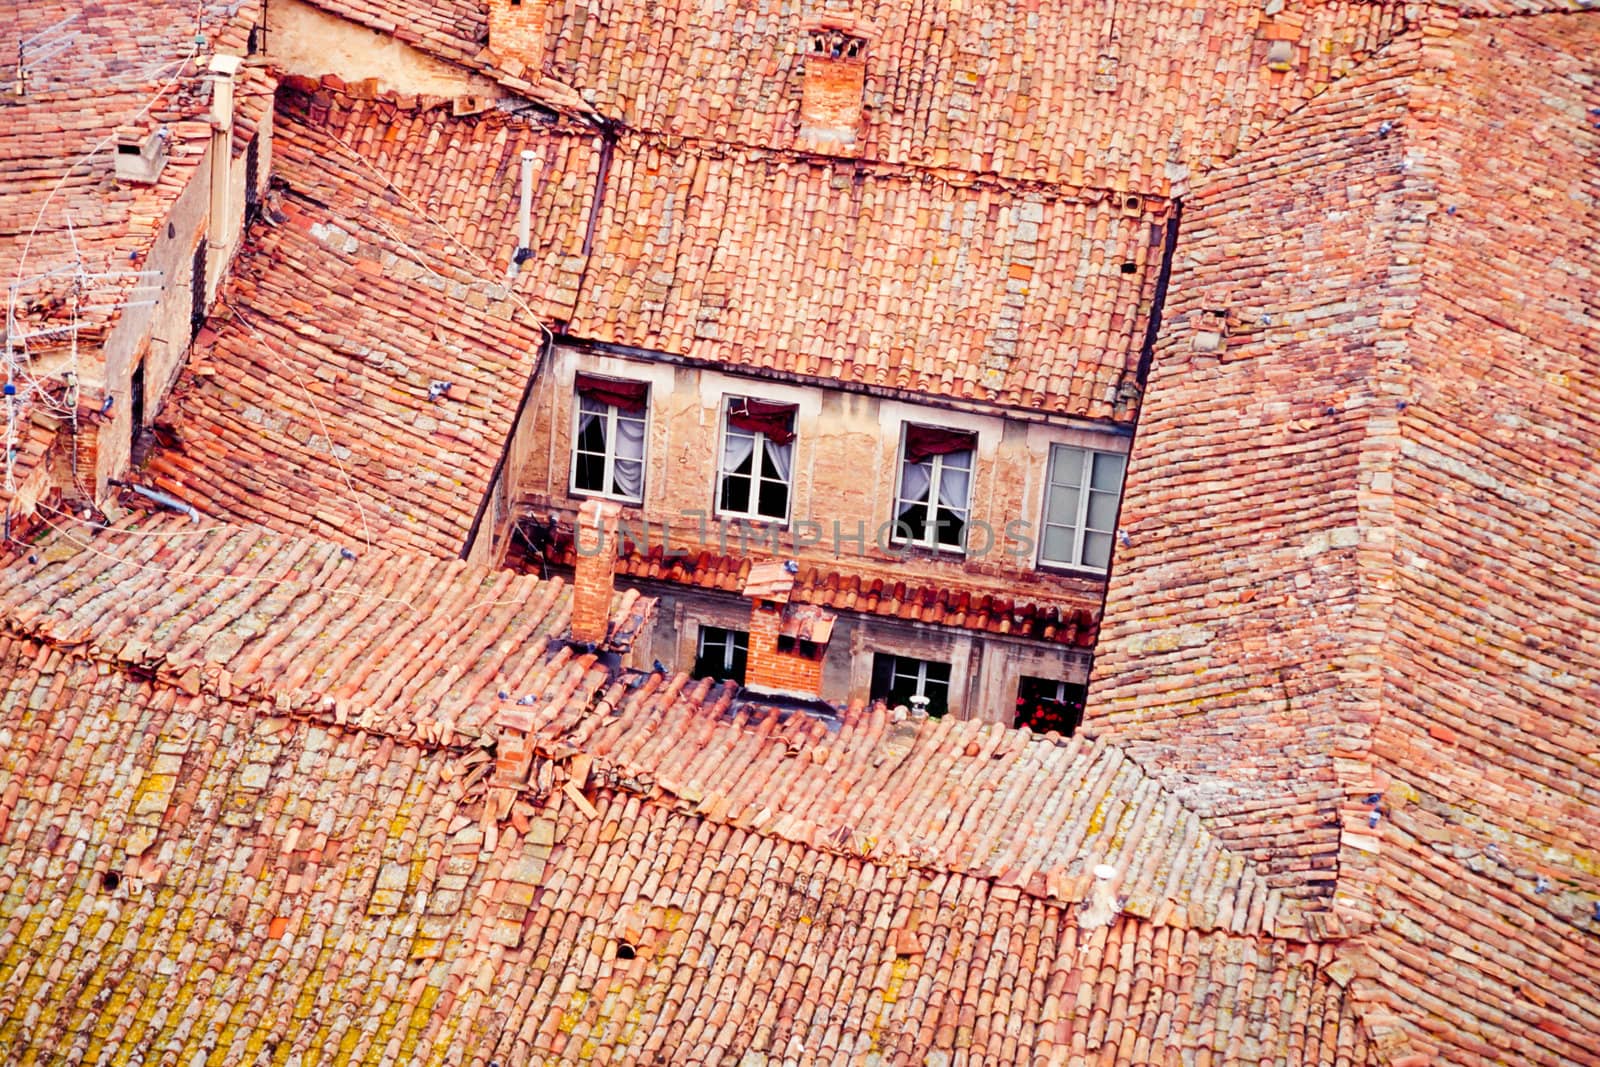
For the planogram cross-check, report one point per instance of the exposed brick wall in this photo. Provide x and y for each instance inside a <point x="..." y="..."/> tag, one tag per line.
<point x="594" y="577"/>
<point x="516" y="30"/>
<point x="830" y="98"/>
<point x="770" y="669"/>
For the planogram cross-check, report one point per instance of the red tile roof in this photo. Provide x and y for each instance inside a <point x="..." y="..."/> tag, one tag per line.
<point x="1361" y="570"/>
<point x="1036" y="298"/>
<point x="109" y="66"/>
<point x="1061" y="610"/>
<point x="312" y="407"/>
<point x="248" y="614"/>
<point x="991" y="87"/>
<point x="255" y="831"/>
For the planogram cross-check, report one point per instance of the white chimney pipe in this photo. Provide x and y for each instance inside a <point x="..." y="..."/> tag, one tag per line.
<point x="1101" y="906"/>
<point x="525" y="216"/>
<point x="223" y="69"/>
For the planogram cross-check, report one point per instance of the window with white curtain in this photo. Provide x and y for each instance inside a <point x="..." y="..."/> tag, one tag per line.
<point x="933" y="500"/>
<point x="1080" y="507"/>
<point x="608" y="439"/>
<point x="757" y="462"/>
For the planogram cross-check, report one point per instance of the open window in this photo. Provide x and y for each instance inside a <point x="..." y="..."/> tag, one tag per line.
<point x="904" y="680"/>
<point x="721" y="654"/>
<point x="1080" y="508"/>
<point x="608" y="438"/>
<point x="935" y="487"/>
<point x="1050" y="707"/>
<point x="756" y="471"/>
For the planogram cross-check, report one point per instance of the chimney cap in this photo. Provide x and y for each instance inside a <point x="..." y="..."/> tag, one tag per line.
<point x="226" y="65"/>
<point x="850" y="25"/>
<point x="769" y="580"/>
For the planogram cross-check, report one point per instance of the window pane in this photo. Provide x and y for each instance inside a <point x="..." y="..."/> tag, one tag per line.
<point x="951" y="529"/>
<point x="939" y="673"/>
<point x="1066" y="466"/>
<point x="735" y="493"/>
<point x="1108" y="472"/>
<point x="628" y="478"/>
<point x="913" y="519"/>
<point x="958" y="460"/>
<point x="589" y="472"/>
<point x="1097" y="550"/>
<point x="592" y="437"/>
<point x="1102" y="511"/>
<point x="953" y="485"/>
<point x="774" y="500"/>
<point x="1058" y="545"/>
<point x="1062" y="506"/>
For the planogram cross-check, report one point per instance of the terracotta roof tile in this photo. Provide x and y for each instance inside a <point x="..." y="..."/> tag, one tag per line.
<point x="249" y="854"/>
<point x="312" y="627"/>
<point x="875" y="275"/>
<point x="1061" y="610"/>
<point x="318" y="401"/>
<point x="320" y="891"/>
<point x="1361" y="567"/>
<point x="1075" y="93"/>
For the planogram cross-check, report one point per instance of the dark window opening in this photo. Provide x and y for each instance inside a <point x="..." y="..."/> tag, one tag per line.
<point x="1050" y="707"/>
<point x="197" y="291"/>
<point x="722" y="654"/>
<point x="252" y="180"/>
<point x="137" y="389"/>
<point x="897" y="679"/>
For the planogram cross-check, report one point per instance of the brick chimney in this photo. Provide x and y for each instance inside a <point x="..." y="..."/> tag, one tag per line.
<point x="787" y="641"/>
<point x="834" y="82"/>
<point x="517" y="30"/>
<point x="594" y="579"/>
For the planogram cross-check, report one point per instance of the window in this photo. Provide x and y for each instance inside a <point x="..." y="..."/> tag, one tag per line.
<point x="896" y="679"/>
<point x="608" y="438"/>
<point x="935" y="483"/>
<point x="721" y="654"/>
<point x="757" y="465"/>
<point x="1047" y="706"/>
<point x="1080" y="507"/>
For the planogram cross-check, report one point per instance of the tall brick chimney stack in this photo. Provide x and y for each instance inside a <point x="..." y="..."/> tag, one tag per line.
<point x="787" y="641"/>
<point x="835" y="81"/>
<point x="517" y="30"/>
<point x="594" y="578"/>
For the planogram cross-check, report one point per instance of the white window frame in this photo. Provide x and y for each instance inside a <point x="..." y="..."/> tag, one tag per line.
<point x="930" y="538"/>
<point x="613" y="415"/>
<point x="1080" y="526"/>
<point x="920" y="676"/>
<point x="729" y="646"/>
<point x="756" y="476"/>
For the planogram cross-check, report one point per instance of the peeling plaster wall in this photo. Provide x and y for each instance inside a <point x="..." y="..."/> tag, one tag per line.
<point x="303" y="40"/>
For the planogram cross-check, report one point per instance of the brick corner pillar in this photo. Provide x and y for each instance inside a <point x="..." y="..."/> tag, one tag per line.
<point x="517" y="30"/>
<point x="594" y="577"/>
